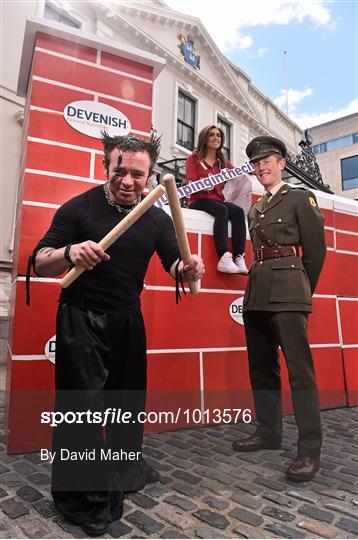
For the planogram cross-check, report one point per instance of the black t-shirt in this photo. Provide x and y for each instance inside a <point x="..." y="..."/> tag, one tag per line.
<point x="114" y="285"/>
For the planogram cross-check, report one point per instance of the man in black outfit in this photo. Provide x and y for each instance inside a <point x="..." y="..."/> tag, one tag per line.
<point x="101" y="346"/>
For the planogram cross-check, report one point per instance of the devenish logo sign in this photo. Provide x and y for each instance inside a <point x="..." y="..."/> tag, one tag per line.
<point x="92" y="117"/>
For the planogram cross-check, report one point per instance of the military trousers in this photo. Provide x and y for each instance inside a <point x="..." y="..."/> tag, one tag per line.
<point x="265" y="332"/>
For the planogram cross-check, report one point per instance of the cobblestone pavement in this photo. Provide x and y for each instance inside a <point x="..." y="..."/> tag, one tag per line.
<point x="207" y="490"/>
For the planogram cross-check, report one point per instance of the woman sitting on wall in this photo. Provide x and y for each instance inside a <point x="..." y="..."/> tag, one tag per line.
<point x="208" y="158"/>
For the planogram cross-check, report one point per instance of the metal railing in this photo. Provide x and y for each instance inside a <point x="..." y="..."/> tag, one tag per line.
<point x="301" y="169"/>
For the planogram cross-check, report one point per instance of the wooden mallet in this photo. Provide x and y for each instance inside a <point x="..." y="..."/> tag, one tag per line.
<point x="178" y="220"/>
<point x="117" y="231"/>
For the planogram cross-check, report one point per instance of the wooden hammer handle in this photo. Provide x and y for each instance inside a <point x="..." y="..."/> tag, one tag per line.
<point x="117" y="231"/>
<point x="178" y="220"/>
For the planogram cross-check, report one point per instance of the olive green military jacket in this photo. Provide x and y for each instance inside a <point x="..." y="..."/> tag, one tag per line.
<point x="293" y="218"/>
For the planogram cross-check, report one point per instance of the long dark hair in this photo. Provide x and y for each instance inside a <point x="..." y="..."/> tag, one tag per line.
<point x="201" y="149"/>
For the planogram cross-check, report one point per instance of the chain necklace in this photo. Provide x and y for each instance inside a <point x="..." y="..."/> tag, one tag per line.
<point x="121" y="209"/>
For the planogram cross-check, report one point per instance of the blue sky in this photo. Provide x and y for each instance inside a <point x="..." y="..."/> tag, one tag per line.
<point x="320" y="38"/>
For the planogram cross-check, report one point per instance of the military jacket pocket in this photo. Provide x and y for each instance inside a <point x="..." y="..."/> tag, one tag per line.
<point x="282" y="230"/>
<point x="289" y="281"/>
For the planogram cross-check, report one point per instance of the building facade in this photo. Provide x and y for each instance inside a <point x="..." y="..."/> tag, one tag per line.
<point x="198" y="86"/>
<point x="335" y="145"/>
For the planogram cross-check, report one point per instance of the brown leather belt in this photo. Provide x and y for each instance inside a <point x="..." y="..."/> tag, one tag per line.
<point x="274" y="252"/>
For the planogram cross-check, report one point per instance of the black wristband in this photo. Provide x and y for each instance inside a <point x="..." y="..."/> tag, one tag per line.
<point x="66" y="253"/>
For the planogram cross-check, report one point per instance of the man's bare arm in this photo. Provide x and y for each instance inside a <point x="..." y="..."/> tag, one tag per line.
<point x="51" y="262"/>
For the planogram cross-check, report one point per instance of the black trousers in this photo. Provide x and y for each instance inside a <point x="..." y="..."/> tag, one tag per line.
<point x="100" y="364"/>
<point x="265" y="331"/>
<point x="223" y="212"/>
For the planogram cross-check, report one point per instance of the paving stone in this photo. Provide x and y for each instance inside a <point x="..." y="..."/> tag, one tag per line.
<point x="39" y="479"/>
<point x="29" y="494"/>
<point x="249" y="487"/>
<point x="165" y="479"/>
<point x="3" y="493"/>
<point x="174" y="516"/>
<point x="224" y="450"/>
<point x="212" y="518"/>
<point x="207" y="532"/>
<point x="277" y="513"/>
<point x="246" y="500"/>
<point x="271" y="484"/>
<point x="153" y="442"/>
<point x="274" y="466"/>
<point x="304" y="495"/>
<point x="10" y="459"/>
<point x="35" y="458"/>
<point x="172" y="533"/>
<point x="13" y="508"/>
<point x="249" y="532"/>
<point x="177" y="462"/>
<point x="215" y="475"/>
<point x="184" y="504"/>
<point x="251" y="458"/>
<point x="118" y="529"/>
<point x="241" y="474"/>
<point x="342" y="508"/>
<point x="339" y="476"/>
<point x="12" y="479"/>
<point x="184" y="489"/>
<point x="327" y="465"/>
<point x="34" y="528"/>
<point x="177" y="452"/>
<point x="215" y="503"/>
<point x="246" y="516"/>
<point x="212" y="433"/>
<point x="46" y="508"/>
<point x="153" y="453"/>
<point x="155" y="491"/>
<point x="279" y="499"/>
<point x="349" y="525"/>
<point x="23" y="467"/>
<point x="144" y="522"/>
<point x="159" y="465"/>
<point x="187" y="477"/>
<point x="142" y="500"/>
<point x="3" y="469"/>
<point x="320" y="529"/>
<point x="201" y="451"/>
<point x="179" y="444"/>
<point x="316" y="513"/>
<point x="214" y="486"/>
<point x="207" y="462"/>
<point x="353" y="471"/>
<point x="283" y="531"/>
<point x="329" y="482"/>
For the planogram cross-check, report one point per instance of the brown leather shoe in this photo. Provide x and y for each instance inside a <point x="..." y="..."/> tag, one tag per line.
<point x="254" y="443"/>
<point x="302" y="468"/>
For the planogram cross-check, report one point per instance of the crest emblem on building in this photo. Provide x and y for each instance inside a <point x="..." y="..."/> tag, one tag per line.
<point x="188" y="51"/>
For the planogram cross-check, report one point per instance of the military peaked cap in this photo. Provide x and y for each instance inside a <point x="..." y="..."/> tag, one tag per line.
<point x="264" y="146"/>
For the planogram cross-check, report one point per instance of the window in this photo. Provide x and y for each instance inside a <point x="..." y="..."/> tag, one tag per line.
<point x="56" y="14"/>
<point x="335" y="144"/>
<point x="186" y="121"/>
<point x="227" y="132"/>
<point x="349" y="167"/>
